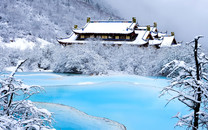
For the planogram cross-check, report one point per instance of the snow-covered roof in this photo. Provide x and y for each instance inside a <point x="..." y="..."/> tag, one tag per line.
<point x="154" y="34"/>
<point x="120" y="27"/>
<point x="167" y="41"/>
<point x="140" y="40"/>
<point x="155" y="42"/>
<point x="142" y="28"/>
<point x="162" y="34"/>
<point x="154" y="29"/>
<point x="145" y="28"/>
<point x="108" y="27"/>
<point x="142" y="36"/>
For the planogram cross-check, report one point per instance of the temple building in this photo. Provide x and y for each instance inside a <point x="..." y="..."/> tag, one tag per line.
<point x="119" y="33"/>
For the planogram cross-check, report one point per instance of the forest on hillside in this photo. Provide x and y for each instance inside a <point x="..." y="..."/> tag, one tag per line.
<point x="50" y="19"/>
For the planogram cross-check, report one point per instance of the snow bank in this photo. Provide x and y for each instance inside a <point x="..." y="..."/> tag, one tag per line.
<point x="71" y="116"/>
<point x="21" y="44"/>
<point x="43" y="43"/>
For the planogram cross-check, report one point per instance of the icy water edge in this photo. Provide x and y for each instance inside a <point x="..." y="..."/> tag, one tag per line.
<point x="130" y="100"/>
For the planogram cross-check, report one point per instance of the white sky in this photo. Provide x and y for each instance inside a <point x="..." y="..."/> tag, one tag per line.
<point x="187" y="18"/>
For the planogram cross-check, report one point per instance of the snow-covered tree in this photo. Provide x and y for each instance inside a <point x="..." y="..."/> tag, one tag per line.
<point x="48" y="20"/>
<point x="92" y="58"/>
<point x="16" y="112"/>
<point x="190" y="86"/>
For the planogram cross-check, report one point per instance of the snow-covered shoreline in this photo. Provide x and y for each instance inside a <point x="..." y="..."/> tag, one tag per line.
<point x="80" y="118"/>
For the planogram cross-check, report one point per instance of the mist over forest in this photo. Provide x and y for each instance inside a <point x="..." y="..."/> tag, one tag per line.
<point x="187" y="18"/>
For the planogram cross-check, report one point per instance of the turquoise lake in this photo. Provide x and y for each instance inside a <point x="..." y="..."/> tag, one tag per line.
<point x="128" y="99"/>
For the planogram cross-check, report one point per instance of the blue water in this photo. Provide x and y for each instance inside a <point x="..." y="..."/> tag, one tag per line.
<point x="131" y="100"/>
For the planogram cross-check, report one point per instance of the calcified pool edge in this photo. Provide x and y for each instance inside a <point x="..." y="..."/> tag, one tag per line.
<point x="81" y="117"/>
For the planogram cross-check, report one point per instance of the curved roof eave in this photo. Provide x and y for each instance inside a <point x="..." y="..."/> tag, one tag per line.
<point x="84" y="32"/>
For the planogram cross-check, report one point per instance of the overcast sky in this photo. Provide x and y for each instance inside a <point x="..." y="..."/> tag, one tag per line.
<point x="187" y="18"/>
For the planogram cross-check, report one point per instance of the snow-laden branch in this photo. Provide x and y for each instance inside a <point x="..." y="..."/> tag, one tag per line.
<point x="21" y="114"/>
<point x="179" y="94"/>
<point x="19" y="64"/>
<point x="190" y="86"/>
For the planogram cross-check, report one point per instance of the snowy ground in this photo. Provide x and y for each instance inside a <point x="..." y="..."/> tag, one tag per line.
<point x="130" y="100"/>
<point x="71" y="118"/>
<point x="22" y="43"/>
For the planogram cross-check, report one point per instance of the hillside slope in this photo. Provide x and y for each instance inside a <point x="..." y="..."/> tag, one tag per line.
<point x="47" y="19"/>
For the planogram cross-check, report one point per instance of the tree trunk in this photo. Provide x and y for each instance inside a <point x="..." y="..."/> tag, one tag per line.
<point x="10" y="101"/>
<point x="197" y="105"/>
